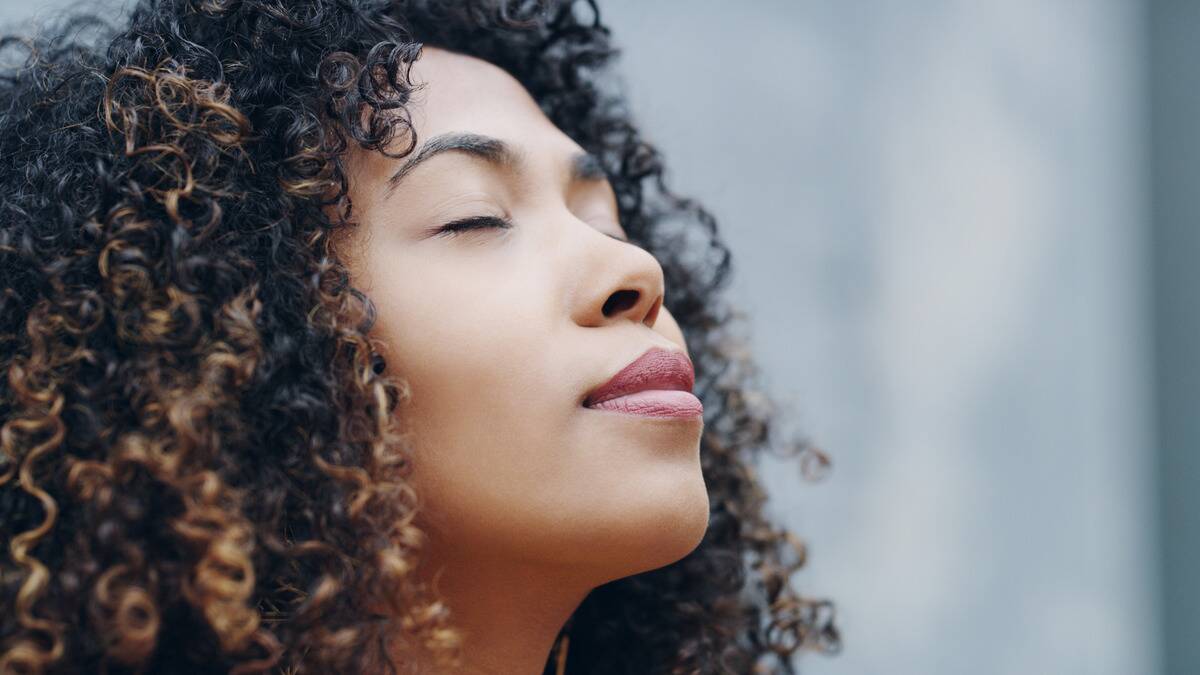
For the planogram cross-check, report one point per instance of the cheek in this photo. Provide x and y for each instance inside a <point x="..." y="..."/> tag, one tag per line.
<point x="489" y="407"/>
<point x="666" y="325"/>
<point x="506" y="463"/>
<point x="471" y="353"/>
<point x="536" y="489"/>
<point x="504" y="471"/>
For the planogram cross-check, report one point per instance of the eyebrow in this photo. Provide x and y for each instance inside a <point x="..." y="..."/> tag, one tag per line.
<point x="584" y="165"/>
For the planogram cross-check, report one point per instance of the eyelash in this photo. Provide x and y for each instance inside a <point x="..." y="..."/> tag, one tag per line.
<point x="453" y="227"/>
<point x="474" y="223"/>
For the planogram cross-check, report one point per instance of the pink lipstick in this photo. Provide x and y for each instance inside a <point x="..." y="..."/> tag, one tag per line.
<point x="656" y="384"/>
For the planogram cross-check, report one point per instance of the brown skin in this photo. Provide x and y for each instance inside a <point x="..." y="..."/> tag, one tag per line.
<point x="529" y="500"/>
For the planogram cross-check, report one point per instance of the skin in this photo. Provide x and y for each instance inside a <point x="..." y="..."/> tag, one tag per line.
<point x="529" y="499"/>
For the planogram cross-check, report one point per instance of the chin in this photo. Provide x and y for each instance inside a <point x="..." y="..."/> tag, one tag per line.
<point x="676" y="531"/>
<point x="691" y="526"/>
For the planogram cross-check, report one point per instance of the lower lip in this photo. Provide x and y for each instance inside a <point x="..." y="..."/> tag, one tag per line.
<point x="654" y="403"/>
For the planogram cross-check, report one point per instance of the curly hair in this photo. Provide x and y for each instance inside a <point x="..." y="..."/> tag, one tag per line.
<point x="200" y="468"/>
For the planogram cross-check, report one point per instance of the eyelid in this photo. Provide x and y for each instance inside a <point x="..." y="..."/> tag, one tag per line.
<point x="471" y="224"/>
<point x="486" y="222"/>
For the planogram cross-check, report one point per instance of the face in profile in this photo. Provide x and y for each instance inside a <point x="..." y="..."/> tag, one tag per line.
<point x="504" y="324"/>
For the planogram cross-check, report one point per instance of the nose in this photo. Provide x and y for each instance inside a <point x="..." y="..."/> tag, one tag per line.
<point x="620" y="282"/>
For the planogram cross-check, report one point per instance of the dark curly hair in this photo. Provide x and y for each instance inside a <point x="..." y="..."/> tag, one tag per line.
<point x="200" y="470"/>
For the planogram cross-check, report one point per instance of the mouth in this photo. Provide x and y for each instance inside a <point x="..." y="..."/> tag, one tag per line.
<point x="656" y="384"/>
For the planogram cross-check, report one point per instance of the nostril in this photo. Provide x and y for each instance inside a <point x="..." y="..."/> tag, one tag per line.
<point x="620" y="301"/>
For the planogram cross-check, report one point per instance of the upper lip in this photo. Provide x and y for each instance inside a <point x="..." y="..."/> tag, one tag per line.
<point x="657" y="368"/>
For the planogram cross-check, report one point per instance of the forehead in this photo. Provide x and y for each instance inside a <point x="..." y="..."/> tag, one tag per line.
<point x="463" y="93"/>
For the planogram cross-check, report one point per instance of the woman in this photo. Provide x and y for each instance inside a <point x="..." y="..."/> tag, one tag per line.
<point x="366" y="337"/>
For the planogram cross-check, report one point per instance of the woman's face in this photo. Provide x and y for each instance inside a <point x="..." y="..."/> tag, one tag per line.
<point x="500" y="334"/>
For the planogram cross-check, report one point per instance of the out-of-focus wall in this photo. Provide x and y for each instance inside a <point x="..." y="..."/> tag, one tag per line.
<point x="1174" y="67"/>
<point x="938" y="219"/>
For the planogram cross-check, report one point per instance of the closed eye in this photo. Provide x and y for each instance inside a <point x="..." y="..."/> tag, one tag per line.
<point x="454" y="227"/>
<point x="474" y="223"/>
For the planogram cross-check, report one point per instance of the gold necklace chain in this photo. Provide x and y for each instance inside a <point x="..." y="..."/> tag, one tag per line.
<point x="562" y="654"/>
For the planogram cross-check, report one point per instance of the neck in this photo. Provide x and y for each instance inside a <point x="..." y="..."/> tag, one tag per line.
<point x="509" y="613"/>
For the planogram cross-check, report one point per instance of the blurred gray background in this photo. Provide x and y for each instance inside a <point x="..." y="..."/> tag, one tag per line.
<point x="966" y="233"/>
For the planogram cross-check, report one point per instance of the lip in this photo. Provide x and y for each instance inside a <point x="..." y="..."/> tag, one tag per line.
<point x="656" y="384"/>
